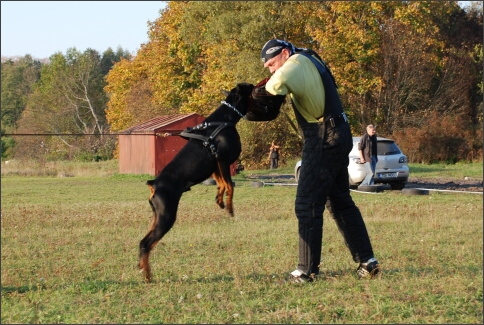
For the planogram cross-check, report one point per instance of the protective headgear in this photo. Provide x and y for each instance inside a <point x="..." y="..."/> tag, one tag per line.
<point x="273" y="48"/>
<point x="262" y="105"/>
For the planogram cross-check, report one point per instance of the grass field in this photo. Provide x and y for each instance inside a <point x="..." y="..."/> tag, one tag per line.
<point x="70" y="245"/>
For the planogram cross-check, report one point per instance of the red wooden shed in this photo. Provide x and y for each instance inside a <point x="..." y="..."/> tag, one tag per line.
<point x="142" y="151"/>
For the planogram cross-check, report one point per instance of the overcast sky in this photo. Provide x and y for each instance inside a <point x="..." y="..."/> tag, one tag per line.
<point x="42" y="28"/>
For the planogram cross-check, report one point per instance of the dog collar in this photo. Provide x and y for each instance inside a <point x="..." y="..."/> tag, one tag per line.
<point x="232" y="107"/>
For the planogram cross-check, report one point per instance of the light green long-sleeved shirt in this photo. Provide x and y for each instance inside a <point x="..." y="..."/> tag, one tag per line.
<point x="299" y="78"/>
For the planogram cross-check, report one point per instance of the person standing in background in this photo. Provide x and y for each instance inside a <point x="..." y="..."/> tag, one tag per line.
<point x="368" y="154"/>
<point x="274" y="155"/>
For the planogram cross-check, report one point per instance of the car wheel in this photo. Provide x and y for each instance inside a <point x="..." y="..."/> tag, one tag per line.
<point x="257" y="184"/>
<point x="209" y="181"/>
<point x="370" y="188"/>
<point x="414" y="191"/>
<point x="397" y="185"/>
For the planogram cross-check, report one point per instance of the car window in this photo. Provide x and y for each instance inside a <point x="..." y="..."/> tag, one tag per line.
<point x="385" y="148"/>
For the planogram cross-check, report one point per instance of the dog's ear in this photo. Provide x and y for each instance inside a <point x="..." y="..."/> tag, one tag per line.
<point x="244" y="89"/>
<point x="248" y="87"/>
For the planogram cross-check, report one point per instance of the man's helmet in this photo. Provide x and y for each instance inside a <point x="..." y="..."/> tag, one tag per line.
<point x="263" y="106"/>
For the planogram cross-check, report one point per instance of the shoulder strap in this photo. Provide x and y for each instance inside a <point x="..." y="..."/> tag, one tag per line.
<point x="333" y="104"/>
<point x="321" y="65"/>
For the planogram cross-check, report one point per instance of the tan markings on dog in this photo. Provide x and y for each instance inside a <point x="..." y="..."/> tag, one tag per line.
<point x="144" y="265"/>
<point x="152" y="191"/>
<point x="219" y="198"/>
<point x="224" y="187"/>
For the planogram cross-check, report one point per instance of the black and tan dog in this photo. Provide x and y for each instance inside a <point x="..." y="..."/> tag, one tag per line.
<point x="212" y="147"/>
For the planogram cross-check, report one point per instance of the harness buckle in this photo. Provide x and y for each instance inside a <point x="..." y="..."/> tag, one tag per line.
<point x="214" y="150"/>
<point x="344" y="117"/>
<point x="332" y="120"/>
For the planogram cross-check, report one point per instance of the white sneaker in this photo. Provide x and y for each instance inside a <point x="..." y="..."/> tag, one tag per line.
<point x="297" y="276"/>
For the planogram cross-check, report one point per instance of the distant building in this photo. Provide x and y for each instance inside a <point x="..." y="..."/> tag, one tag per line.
<point x="143" y="151"/>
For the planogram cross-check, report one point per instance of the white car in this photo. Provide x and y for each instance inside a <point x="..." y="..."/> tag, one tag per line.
<point x="391" y="169"/>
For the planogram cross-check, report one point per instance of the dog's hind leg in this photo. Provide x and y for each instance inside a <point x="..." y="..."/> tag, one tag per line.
<point x="144" y="249"/>
<point x="164" y="216"/>
<point x="219" y="198"/>
<point x="224" y="181"/>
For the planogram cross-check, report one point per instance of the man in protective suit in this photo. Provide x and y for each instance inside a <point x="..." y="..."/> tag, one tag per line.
<point x="323" y="178"/>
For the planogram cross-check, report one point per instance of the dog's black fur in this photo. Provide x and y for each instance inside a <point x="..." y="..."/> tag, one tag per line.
<point x="193" y="164"/>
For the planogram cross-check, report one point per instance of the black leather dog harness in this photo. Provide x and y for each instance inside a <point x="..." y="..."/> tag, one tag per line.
<point x="207" y="141"/>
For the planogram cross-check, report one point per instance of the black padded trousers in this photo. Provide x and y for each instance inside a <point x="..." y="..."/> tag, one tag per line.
<point x="324" y="180"/>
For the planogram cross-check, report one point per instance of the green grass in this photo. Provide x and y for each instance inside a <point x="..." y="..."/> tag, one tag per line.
<point x="458" y="170"/>
<point x="70" y="245"/>
<point x="110" y="168"/>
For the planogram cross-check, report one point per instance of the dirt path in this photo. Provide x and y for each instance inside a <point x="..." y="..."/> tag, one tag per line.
<point x="454" y="184"/>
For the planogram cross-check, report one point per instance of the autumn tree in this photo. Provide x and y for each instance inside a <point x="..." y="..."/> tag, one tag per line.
<point x="159" y="79"/>
<point x="68" y="101"/>
<point x="196" y="50"/>
<point x="348" y="37"/>
<point x="18" y="78"/>
<point x="393" y="62"/>
<point x="450" y="112"/>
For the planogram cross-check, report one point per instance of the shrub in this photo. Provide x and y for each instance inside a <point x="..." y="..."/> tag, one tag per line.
<point x="443" y="139"/>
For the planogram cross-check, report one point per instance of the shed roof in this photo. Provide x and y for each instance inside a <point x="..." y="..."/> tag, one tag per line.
<point x="156" y="123"/>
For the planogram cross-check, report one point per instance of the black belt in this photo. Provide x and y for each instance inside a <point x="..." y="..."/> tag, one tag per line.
<point x="333" y="120"/>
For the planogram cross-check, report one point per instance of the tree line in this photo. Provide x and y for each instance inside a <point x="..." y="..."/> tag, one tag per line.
<point x="63" y="96"/>
<point x="413" y="68"/>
